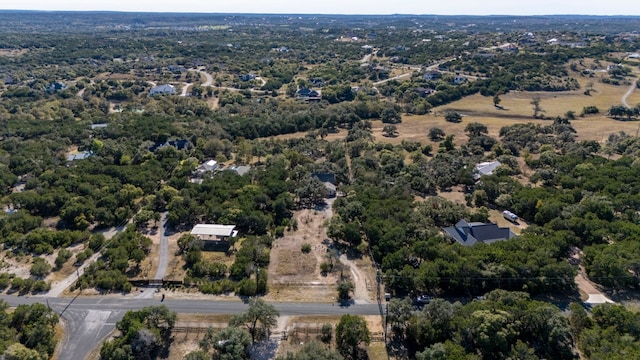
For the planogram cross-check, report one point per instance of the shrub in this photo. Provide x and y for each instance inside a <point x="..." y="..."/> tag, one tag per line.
<point x="326" y="333"/>
<point x="5" y="280"/>
<point x="587" y="110"/>
<point x="247" y="287"/>
<point x="63" y="256"/>
<point x="40" y="267"/>
<point x="41" y="286"/>
<point x="325" y="267"/>
<point x="453" y="117"/>
<point x="306" y="248"/>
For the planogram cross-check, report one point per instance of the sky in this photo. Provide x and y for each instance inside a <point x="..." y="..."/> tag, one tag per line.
<point x="385" y="7"/>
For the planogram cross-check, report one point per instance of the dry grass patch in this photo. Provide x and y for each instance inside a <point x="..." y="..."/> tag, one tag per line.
<point x="218" y="257"/>
<point x="58" y="336"/>
<point x="294" y="275"/>
<point x="203" y="318"/>
<point x="317" y="294"/>
<point x="213" y="102"/>
<point x="12" y="52"/>
<point x="175" y="267"/>
<point x="184" y="343"/>
<point x="293" y="262"/>
<point x="16" y="265"/>
<point x="456" y="195"/>
<point x="495" y="216"/>
<point x="377" y="350"/>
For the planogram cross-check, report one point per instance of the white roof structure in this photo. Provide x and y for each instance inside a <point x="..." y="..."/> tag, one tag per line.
<point x="213" y="230"/>
<point x="485" y="168"/>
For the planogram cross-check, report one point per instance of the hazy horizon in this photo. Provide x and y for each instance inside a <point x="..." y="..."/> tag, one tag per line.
<point x="337" y="7"/>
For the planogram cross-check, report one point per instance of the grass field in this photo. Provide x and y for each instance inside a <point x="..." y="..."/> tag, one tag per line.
<point x="517" y="108"/>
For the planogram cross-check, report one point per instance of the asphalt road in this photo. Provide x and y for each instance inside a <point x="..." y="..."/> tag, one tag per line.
<point x="90" y="320"/>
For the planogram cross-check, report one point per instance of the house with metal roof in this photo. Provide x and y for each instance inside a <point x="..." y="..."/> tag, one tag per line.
<point x="471" y="233"/>
<point x="485" y="168"/>
<point x="214" y="232"/>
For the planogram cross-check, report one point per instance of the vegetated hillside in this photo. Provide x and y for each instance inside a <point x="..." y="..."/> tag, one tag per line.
<point x="84" y="146"/>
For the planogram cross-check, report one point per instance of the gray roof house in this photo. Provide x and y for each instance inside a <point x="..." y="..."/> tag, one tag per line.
<point x="238" y="169"/>
<point x="485" y="168"/>
<point x="165" y="89"/>
<point x="469" y="234"/>
<point x="432" y="75"/>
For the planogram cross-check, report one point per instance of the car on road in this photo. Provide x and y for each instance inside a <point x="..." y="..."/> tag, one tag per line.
<point x="423" y="299"/>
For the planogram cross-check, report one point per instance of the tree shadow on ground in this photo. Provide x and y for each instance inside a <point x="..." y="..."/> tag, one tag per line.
<point x="264" y="350"/>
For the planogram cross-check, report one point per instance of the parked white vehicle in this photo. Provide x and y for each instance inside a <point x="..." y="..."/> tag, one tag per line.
<point x="509" y="215"/>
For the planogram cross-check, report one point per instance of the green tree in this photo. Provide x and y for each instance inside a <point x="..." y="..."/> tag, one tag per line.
<point x="475" y="129"/>
<point x="312" y="351"/>
<point x="259" y="318"/>
<point x="390" y="131"/>
<point x="144" y="333"/>
<point x="345" y="287"/>
<point x="18" y="351"/>
<point x="326" y="333"/>
<point x="391" y="116"/>
<point x="579" y="319"/>
<point x="452" y="116"/>
<point x="35" y="327"/>
<point x="231" y="343"/>
<point x="496" y="100"/>
<point x="398" y="315"/>
<point x="310" y="192"/>
<point x="436" y="134"/>
<point x="40" y="267"/>
<point x="351" y="333"/>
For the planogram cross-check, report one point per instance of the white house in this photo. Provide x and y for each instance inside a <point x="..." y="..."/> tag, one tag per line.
<point x="214" y="232"/>
<point x="209" y="165"/>
<point x="165" y="89"/>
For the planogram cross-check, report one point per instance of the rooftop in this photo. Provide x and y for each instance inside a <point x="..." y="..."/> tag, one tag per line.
<point x="213" y="230"/>
<point x="468" y="234"/>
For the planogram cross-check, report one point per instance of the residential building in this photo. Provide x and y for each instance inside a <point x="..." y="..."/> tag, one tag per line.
<point x="469" y="234"/>
<point x="81" y="155"/>
<point x="432" y="75"/>
<point x="247" y="77"/>
<point x="308" y="94"/>
<point x="165" y="89"/>
<point x="56" y="86"/>
<point x="459" y="79"/>
<point x="178" y="144"/>
<point x="424" y="92"/>
<point x="329" y="181"/>
<point x="238" y="169"/>
<point x="485" y="168"/>
<point x="214" y="232"/>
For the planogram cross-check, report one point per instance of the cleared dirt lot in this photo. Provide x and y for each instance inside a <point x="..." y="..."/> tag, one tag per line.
<point x="296" y="276"/>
